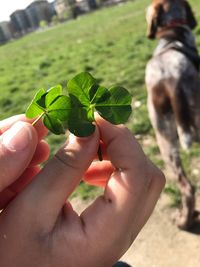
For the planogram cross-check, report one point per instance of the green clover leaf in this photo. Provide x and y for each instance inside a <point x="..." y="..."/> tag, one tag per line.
<point x="80" y="87"/>
<point x="52" y="106"/>
<point x="34" y="109"/>
<point x="117" y="108"/>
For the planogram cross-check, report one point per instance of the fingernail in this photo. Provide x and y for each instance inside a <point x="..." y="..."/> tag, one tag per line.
<point x="72" y="138"/>
<point x="17" y="137"/>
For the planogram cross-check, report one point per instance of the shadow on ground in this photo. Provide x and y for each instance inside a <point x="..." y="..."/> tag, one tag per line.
<point x="195" y="229"/>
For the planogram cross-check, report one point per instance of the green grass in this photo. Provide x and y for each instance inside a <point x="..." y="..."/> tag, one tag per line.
<point x="174" y="193"/>
<point x="110" y="43"/>
<point x="86" y="192"/>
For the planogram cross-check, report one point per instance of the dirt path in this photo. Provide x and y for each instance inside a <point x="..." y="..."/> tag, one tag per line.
<point x="160" y="243"/>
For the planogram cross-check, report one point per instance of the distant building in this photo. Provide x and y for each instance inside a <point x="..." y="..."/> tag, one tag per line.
<point x="5" y="31"/>
<point x="92" y="4"/>
<point x="26" y="20"/>
<point x="52" y="8"/>
<point x="2" y="37"/>
<point x="20" y="22"/>
<point x="82" y="6"/>
<point x="72" y="8"/>
<point x="61" y="7"/>
<point x="39" y="10"/>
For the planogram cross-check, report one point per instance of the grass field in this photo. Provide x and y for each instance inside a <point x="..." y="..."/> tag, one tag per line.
<point x="110" y="43"/>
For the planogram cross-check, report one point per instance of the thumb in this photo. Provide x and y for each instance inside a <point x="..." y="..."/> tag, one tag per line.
<point x="17" y="146"/>
<point x="57" y="180"/>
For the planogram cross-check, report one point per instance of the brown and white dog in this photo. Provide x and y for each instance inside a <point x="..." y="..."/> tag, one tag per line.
<point x="173" y="86"/>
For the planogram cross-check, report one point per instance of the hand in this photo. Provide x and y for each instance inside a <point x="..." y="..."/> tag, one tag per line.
<point x="39" y="228"/>
<point x="19" y="158"/>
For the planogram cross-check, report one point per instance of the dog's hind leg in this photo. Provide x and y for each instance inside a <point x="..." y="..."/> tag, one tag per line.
<point x="167" y="138"/>
<point x="194" y="106"/>
<point x="185" y="102"/>
<point x="180" y="107"/>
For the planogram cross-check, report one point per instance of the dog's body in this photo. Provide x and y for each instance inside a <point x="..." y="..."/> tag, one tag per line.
<point x="173" y="86"/>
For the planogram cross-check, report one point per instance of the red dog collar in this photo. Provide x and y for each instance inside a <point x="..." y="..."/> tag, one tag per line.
<point x="176" y="22"/>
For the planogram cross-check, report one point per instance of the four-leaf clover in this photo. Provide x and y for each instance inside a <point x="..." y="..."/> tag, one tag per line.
<point x="76" y="111"/>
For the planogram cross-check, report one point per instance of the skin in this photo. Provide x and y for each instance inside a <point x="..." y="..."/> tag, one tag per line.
<point x="40" y="228"/>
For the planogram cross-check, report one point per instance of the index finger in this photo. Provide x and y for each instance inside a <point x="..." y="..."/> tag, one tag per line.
<point x="131" y="192"/>
<point x="130" y="175"/>
<point x="7" y="123"/>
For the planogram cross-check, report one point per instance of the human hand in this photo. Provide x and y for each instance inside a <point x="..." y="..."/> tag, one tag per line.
<point x="19" y="160"/>
<point x="39" y="229"/>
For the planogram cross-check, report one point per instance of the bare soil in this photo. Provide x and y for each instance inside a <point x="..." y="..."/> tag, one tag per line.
<point x="162" y="244"/>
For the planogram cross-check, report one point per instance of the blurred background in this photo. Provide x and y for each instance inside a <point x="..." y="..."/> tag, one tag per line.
<point x="46" y="43"/>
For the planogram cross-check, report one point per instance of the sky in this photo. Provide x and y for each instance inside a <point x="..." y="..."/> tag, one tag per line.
<point x="9" y="6"/>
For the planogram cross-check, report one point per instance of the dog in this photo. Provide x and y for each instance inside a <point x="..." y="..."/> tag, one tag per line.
<point x="173" y="88"/>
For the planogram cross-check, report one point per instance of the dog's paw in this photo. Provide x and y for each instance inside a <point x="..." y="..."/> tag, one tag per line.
<point x="184" y="222"/>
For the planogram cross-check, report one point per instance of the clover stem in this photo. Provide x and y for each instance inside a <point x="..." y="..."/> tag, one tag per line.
<point x="38" y="118"/>
<point x="100" y="153"/>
